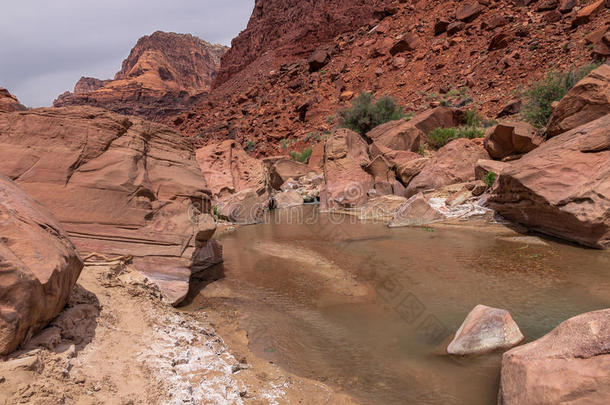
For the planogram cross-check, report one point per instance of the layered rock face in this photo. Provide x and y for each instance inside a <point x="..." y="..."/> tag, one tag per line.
<point x="293" y="28"/>
<point x="571" y="364"/>
<point x="8" y="102"/>
<point x="119" y="185"/>
<point x="562" y="188"/>
<point x="238" y="182"/>
<point x="163" y="74"/>
<point x="38" y="266"/>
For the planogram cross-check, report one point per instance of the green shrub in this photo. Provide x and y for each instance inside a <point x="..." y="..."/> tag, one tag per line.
<point x="250" y="146"/>
<point x="302" y="157"/>
<point x="473" y="118"/>
<point x="539" y="98"/>
<point x="315" y="136"/>
<point x="365" y="115"/>
<point x="490" y="179"/>
<point x="440" y="136"/>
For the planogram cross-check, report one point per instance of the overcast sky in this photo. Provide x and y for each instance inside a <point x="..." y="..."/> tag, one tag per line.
<point x="47" y="45"/>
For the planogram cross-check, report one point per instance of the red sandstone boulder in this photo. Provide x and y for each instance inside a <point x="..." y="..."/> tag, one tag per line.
<point x="439" y="117"/>
<point x="585" y="14"/>
<point x="285" y="169"/>
<point x="392" y="156"/>
<point x="9" y="103"/>
<point x="316" y="160"/>
<point x="346" y="183"/>
<point x="119" y="185"/>
<point x="571" y="364"/>
<point x="485" y="329"/>
<point x="511" y="138"/>
<point x="415" y="212"/>
<point x="585" y="102"/>
<point x="318" y="60"/>
<point x="469" y="11"/>
<point x="383" y="175"/>
<point x="288" y="199"/>
<point x="245" y="207"/>
<point x="408" y="134"/>
<point x="562" y="188"/>
<point x="406" y="170"/>
<point x="38" y="266"/>
<point x="453" y="163"/>
<point x="397" y="135"/>
<point x="484" y="166"/>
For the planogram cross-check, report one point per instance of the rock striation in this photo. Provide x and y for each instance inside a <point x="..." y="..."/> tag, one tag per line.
<point x="163" y="74"/>
<point x="119" y="185"/>
<point x="38" y="266"/>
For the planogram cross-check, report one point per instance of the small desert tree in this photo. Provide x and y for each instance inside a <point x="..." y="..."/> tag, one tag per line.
<point x="365" y="114"/>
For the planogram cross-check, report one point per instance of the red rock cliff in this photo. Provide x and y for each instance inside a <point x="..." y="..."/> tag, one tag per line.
<point x="163" y="73"/>
<point x="296" y="27"/>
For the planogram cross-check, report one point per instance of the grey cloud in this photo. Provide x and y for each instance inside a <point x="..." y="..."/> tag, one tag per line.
<point x="46" y="46"/>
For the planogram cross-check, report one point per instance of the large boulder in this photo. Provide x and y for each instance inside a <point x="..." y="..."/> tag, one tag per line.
<point x="484" y="166"/>
<point x="383" y="175"/>
<point x="485" y="329"/>
<point x="38" y="266"/>
<point x="563" y="187"/>
<point x="9" y="103"/>
<point x="571" y="364"/>
<point x="346" y="183"/>
<point x="397" y="135"/>
<point x="511" y="138"/>
<point x="284" y="169"/>
<point x="416" y="211"/>
<point x="408" y="134"/>
<point x="119" y="185"/>
<point x="288" y="199"/>
<point x="453" y="163"/>
<point x="585" y="102"/>
<point x="246" y="207"/>
<point x="407" y="169"/>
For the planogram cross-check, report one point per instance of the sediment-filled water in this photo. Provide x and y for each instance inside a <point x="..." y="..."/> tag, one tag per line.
<point x="370" y="310"/>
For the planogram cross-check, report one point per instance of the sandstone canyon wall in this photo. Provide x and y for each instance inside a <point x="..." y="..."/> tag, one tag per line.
<point x="119" y="186"/>
<point x="163" y="74"/>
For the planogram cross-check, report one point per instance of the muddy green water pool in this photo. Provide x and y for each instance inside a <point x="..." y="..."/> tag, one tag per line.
<point x="370" y="310"/>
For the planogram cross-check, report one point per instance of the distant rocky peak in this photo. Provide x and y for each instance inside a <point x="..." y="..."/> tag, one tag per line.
<point x="163" y="73"/>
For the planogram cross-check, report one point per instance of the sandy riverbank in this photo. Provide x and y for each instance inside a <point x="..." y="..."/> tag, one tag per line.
<point x="116" y="343"/>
